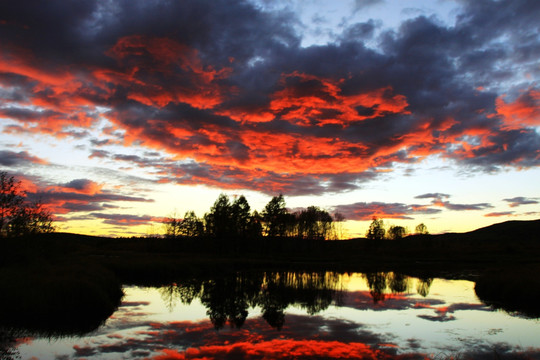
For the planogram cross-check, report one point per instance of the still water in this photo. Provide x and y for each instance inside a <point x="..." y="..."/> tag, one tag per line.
<point x="301" y="316"/>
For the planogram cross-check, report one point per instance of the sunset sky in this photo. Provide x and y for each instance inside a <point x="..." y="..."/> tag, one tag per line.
<point x="117" y="113"/>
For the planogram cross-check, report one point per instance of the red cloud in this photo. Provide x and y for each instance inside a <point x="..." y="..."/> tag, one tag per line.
<point x="297" y="349"/>
<point x="525" y="110"/>
<point x="159" y="71"/>
<point x="499" y="214"/>
<point x="307" y="126"/>
<point x="307" y="100"/>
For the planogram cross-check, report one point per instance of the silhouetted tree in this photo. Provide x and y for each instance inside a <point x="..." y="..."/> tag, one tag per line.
<point x="314" y="223"/>
<point x="191" y="225"/>
<point x="421" y="229"/>
<point x="17" y="215"/>
<point x="275" y="217"/>
<point x="172" y="226"/>
<point x="218" y="220"/>
<point x="376" y="230"/>
<point x="255" y="226"/>
<point x="240" y="212"/>
<point x="396" y="232"/>
<point x="337" y="226"/>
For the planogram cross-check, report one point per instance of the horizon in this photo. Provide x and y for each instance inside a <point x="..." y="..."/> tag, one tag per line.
<point x="119" y="114"/>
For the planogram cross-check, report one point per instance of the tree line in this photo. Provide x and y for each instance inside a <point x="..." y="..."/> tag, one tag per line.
<point x="377" y="230"/>
<point x="227" y="219"/>
<point x="234" y="219"/>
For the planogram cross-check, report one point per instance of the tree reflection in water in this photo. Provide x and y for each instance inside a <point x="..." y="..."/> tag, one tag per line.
<point x="423" y="285"/>
<point x="8" y="342"/>
<point x="228" y="298"/>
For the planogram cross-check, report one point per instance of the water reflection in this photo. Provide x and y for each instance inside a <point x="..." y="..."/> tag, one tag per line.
<point x="228" y="299"/>
<point x="8" y="342"/>
<point x="302" y="315"/>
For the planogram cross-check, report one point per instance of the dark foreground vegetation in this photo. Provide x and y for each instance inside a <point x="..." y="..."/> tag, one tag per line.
<point x="65" y="283"/>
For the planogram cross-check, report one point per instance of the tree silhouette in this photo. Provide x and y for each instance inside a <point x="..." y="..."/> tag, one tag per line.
<point x="255" y="226"/>
<point x="314" y="223"/>
<point x="172" y="226"/>
<point x="191" y="225"/>
<point x="396" y="232"/>
<point x="376" y="230"/>
<point x="337" y="226"/>
<point x="218" y="220"/>
<point x="275" y="217"/>
<point x="17" y="215"/>
<point x="421" y="229"/>
<point x="240" y="213"/>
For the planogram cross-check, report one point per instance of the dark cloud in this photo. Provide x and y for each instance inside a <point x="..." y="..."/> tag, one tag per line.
<point x="79" y="195"/>
<point x="520" y="200"/>
<point x="227" y="86"/>
<point x="368" y="210"/>
<point x="464" y="207"/>
<point x="432" y="196"/>
<point x="21" y="158"/>
<point x="438" y="201"/>
<point x="125" y="219"/>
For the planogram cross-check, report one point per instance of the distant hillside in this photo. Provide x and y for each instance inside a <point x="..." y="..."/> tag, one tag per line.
<point x="522" y="229"/>
<point x="508" y="230"/>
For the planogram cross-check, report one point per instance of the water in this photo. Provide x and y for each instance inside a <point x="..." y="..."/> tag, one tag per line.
<point x="291" y="315"/>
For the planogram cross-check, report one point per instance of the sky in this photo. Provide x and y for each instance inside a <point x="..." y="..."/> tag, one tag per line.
<point x="118" y="113"/>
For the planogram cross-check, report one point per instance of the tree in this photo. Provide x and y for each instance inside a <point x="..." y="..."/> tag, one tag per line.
<point x="314" y="223"/>
<point x="275" y="217"/>
<point x="19" y="216"/>
<point x="240" y="211"/>
<point x="396" y="232"/>
<point x="172" y="226"/>
<point x="337" y="226"/>
<point x="421" y="229"/>
<point x="191" y="225"/>
<point x="376" y="230"/>
<point x="255" y="226"/>
<point x="218" y="220"/>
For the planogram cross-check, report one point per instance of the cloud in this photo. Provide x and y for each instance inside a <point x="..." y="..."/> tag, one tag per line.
<point x="228" y="88"/>
<point x="499" y="214"/>
<point x="79" y="195"/>
<point x="21" y="158"/>
<point x="366" y="211"/>
<point x="437" y="196"/>
<point x="438" y="201"/>
<point x="361" y="4"/>
<point x="125" y="219"/>
<point x="520" y="200"/>
<point x="84" y="186"/>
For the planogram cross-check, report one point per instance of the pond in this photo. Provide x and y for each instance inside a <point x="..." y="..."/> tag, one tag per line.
<point x="301" y="316"/>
